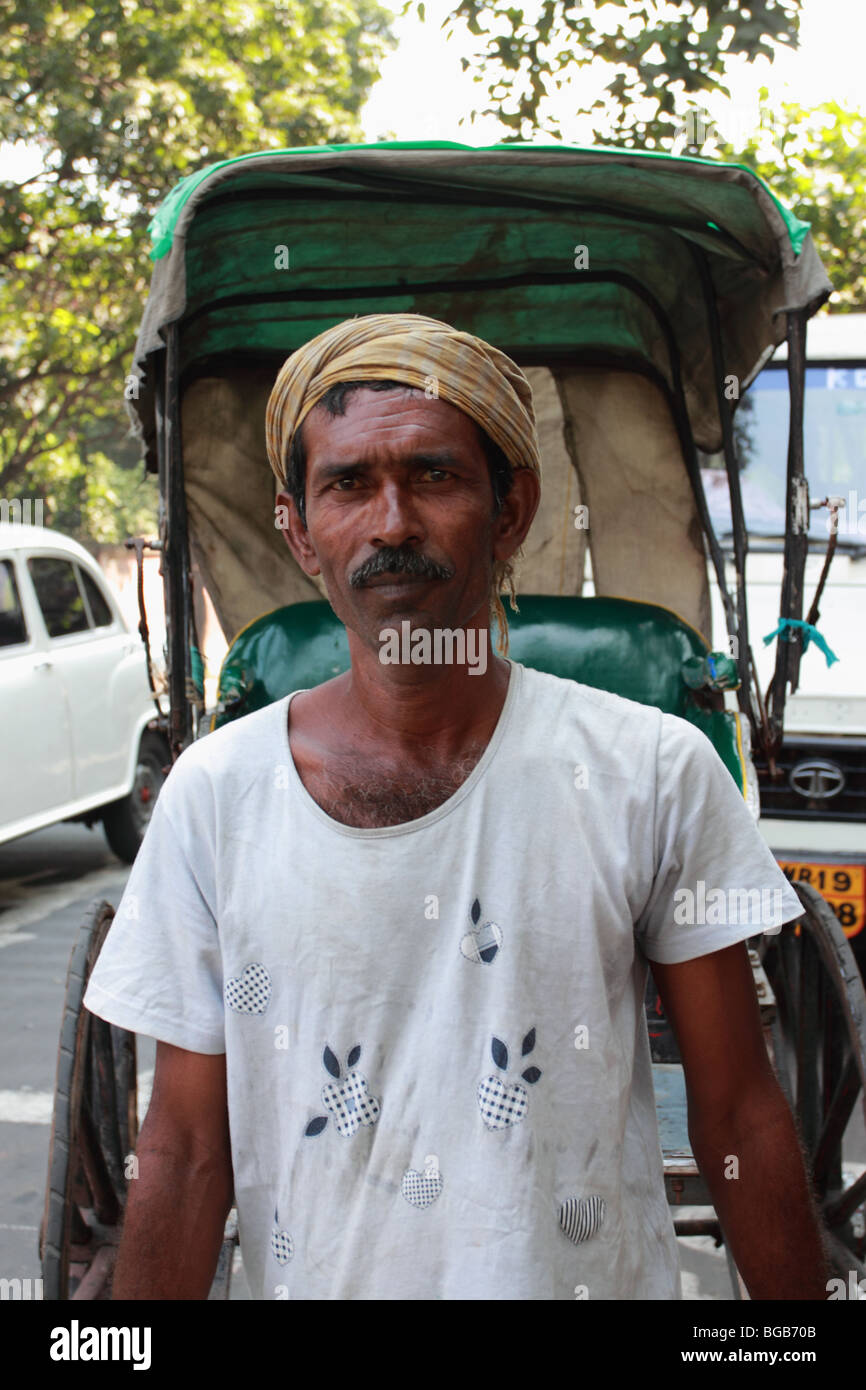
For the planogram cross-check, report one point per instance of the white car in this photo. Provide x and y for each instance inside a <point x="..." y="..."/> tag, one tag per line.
<point x="80" y="734"/>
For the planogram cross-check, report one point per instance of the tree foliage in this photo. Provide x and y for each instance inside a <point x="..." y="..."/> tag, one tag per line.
<point x="121" y="100"/>
<point x="664" y="52"/>
<point x="813" y="159"/>
<point x="669" y="57"/>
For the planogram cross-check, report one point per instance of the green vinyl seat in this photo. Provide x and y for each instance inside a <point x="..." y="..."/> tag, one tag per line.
<point x="632" y="649"/>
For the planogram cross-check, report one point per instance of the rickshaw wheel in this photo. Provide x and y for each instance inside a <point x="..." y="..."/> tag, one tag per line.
<point x="94" y="1129"/>
<point x="819" y="1044"/>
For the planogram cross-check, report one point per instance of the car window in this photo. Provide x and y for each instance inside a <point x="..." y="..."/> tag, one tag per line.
<point x="99" y="610"/>
<point x="59" y="595"/>
<point x="13" y="629"/>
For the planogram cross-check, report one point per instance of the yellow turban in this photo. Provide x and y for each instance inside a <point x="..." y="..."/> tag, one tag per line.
<point x="422" y="352"/>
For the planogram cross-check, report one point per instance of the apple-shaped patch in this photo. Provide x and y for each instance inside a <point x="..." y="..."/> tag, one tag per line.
<point x="422" y="1189"/>
<point x="249" y="992"/>
<point x="282" y="1245"/>
<point x="502" y="1105"/>
<point x="483" y="942"/>
<point x="347" y="1100"/>
<point x="581" y="1217"/>
<point x="350" y="1104"/>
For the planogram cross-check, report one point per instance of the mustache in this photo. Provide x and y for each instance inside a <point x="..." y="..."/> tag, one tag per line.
<point x="399" y="560"/>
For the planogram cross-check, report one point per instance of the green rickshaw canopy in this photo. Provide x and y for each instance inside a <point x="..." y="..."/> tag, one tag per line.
<point x="553" y="253"/>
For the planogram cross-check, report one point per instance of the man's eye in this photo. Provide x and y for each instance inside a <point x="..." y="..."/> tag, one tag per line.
<point x="442" y="473"/>
<point x="347" y="479"/>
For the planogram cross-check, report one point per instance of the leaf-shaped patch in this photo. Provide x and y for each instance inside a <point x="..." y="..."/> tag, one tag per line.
<point x="316" y="1126"/>
<point x="531" y="1075"/>
<point x="528" y="1042"/>
<point x="475" y="912"/>
<point x="331" y="1063"/>
<point x="354" y="1057"/>
<point x="500" y="1053"/>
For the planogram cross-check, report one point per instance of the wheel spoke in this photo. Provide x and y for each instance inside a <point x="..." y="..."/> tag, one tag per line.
<point x="842" y="1208"/>
<point x="105" y="1102"/>
<point x="835" y="1121"/>
<point x="808" y="1034"/>
<point x="105" y="1204"/>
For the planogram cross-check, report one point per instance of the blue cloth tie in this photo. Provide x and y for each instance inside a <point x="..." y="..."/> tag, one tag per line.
<point x="809" y="632"/>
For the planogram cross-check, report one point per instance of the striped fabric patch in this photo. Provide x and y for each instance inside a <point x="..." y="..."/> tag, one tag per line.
<point x="581" y="1217"/>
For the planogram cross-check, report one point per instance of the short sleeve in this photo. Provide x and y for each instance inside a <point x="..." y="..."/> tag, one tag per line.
<point x="160" y="969"/>
<point x="716" y="881"/>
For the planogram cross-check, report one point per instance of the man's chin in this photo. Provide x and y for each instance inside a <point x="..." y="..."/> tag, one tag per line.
<point x="367" y="613"/>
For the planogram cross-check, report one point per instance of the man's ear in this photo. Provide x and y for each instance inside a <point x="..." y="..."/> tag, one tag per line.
<point x="287" y="519"/>
<point x="516" y="515"/>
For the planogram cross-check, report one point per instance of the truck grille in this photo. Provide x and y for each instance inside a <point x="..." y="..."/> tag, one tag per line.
<point x="820" y="779"/>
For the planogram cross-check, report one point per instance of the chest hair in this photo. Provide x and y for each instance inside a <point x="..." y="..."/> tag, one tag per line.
<point x="366" y="799"/>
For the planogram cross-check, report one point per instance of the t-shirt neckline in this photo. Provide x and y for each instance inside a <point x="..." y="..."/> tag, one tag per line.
<point x="410" y="827"/>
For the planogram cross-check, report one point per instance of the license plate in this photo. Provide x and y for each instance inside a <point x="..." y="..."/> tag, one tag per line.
<point x="843" y="886"/>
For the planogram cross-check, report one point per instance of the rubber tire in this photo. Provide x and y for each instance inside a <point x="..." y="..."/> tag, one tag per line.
<point x="122" y="820"/>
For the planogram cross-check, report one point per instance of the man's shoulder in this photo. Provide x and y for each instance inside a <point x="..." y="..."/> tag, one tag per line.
<point x="623" y="736"/>
<point x="238" y="750"/>
<point x="546" y="693"/>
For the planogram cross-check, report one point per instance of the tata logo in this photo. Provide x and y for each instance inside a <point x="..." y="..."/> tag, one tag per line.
<point x="816" y="779"/>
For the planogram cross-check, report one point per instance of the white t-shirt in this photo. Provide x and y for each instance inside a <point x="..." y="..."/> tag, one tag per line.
<point x="439" y="1077"/>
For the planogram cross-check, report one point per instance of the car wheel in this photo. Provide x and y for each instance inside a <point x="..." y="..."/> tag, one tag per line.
<point x="125" y="821"/>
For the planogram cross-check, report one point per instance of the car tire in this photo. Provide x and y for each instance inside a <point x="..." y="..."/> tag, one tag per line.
<point x="125" y="821"/>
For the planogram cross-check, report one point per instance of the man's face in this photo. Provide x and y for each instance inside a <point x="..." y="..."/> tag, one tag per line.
<point x="400" y="472"/>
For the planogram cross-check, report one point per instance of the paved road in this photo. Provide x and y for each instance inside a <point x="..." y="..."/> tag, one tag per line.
<point x="47" y="882"/>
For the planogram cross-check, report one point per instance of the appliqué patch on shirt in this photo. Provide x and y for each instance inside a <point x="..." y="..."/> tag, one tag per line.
<point x="422" y="1189"/>
<point x="348" y="1100"/>
<point x="502" y="1105"/>
<point x="282" y="1245"/>
<point x="482" y="944"/>
<point x="249" y="992"/>
<point x="581" y="1217"/>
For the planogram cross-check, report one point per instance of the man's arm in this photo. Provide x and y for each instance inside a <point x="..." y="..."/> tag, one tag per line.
<point x="738" y="1111"/>
<point x="177" y="1206"/>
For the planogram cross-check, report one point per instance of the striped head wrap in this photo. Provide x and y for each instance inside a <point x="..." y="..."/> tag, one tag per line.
<point x="456" y="367"/>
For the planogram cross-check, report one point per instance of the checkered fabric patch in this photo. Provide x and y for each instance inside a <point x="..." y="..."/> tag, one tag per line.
<point x="282" y="1245"/>
<point x="350" y="1103"/>
<point x="581" y="1217"/>
<point x="250" y="992"/>
<point x="501" y="1105"/>
<point x="421" y="1189"/>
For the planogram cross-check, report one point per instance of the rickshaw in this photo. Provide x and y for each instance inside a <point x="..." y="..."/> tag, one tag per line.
<point x="642" y="293"/>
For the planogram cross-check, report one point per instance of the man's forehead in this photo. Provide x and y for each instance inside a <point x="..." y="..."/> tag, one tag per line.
<point x="400" y="418"/>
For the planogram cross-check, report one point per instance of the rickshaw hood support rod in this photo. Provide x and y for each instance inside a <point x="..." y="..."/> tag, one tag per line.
<point x="789" y="652"/>
<point x="745" y="695"/>
<point x="175" y="552"/>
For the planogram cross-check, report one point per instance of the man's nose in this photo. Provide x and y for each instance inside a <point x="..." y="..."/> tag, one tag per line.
<point x="396" y="519"/>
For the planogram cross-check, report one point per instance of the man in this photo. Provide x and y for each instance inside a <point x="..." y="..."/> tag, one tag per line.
<point x="394" y="951"/>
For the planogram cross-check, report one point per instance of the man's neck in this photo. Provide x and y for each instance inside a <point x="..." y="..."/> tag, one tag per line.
<point x="378" y="749"/>
<point x="435" y="710"/>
